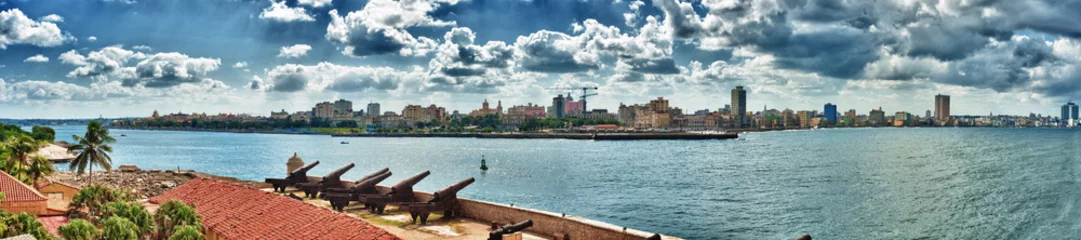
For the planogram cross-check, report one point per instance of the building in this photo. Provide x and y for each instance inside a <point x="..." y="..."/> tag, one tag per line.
<point x="877" y="117"/>
<point x="485" y="110"/>
<point x="517" y="115"/>
<point x="739" y="106"/>
<point x="901" y="119"/>
<point x="373" y="109"/>
<point x="830" y="113"/>
<point x="1069" y="115"/>
<point x="323" y="110"/>
<point x="627" y="114"/>
<point x="654" y="115"/>
<point x="59" y="194"/>
<point x="279" y="115"/>
<point x="850" y="117"/>
<point x="573" y="108"/>
<point x="231" y="211"/>
<point x="942" y="107"/>
<point x="805" y="118"/>
<point x="342" y="108"/>
<point x="557" y="109"/>
<point x="413" y="114"/>
<point x="19" y="197"/>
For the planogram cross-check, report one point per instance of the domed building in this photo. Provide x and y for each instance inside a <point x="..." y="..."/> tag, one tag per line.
<point x="294" y="163"/>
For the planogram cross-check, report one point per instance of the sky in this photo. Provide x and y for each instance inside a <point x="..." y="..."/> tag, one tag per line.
<point x="127" y="58"/>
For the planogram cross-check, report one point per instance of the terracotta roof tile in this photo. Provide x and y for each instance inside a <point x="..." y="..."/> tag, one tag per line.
<point x="53" y="223"/>
<point x="241" y="212"/>
<point x="17" y="191"/>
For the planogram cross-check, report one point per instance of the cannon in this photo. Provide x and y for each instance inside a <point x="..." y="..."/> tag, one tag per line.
<point x="509" y="229"/>
<point x="340" y="197"/>
<point x="401" y="192"/>
<point x="300" y="175"/>
<point x="445" y="200"/>
<point x="331" y="180"/>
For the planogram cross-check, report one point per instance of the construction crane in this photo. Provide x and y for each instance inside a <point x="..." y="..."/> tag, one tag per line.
<point x="585" y="94"/>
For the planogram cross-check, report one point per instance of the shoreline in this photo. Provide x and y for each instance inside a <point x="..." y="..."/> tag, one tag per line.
<point x="516" y="135"/>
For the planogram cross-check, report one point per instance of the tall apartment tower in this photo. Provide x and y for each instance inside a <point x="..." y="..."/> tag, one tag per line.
<point x="830" y="113"/>
<point x="739" y="106"/>
<point x="942" y="107"/>
<point x="373" y="109"/>
<point x="558" y="107"/>
<point x="1069" y="115"/>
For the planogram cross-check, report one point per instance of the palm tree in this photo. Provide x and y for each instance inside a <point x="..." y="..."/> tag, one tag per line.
<point x="78" y="229"/>
<point x="21" y="164"/>
<point x="134" y="212"/>
<point x="38" y="168"/>
<point x="119" y="228"/>
<point x="93" y="149"/>
<point x="175" y="214"/>
<point x="187" y="233"/>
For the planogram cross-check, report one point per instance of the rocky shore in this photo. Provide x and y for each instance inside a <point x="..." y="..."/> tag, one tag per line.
<point x="143" y="183"/>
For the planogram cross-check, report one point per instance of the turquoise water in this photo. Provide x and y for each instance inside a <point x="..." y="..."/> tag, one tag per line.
<point x="833" y="184"/>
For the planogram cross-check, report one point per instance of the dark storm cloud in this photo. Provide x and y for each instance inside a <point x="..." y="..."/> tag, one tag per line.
<point x="656" y="66"/>
<point x="462" y="72"/>
<point x="841" y="54"/>
<point x="943" y="43"/>
<point x="289" y="83"/>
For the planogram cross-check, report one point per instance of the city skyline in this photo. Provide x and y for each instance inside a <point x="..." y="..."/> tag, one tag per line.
<point x="262" y="56"/>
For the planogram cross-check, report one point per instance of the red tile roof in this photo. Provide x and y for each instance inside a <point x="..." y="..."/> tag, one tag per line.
<point x="53" y="223"/>
<point x="17" y="191"/>
<point x="49" y="181"/>
<point x="241" y="212"/>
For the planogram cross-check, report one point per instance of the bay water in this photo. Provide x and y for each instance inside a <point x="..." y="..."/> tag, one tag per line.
<point x="913" y="183"/>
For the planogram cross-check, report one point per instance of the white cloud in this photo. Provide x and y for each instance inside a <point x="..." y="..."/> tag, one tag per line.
<point x="295" y="51"/>
<point x="380" y="28"/>
<point x="159" y="70"/>
<point x="315" y="3"/>
<point x="37" y="58"/>
<point x="142" y="48"/>
<point x="99" y="64"/>
<point x="240" y="65"/>
<point x="170" y="69"/>
<point x="91" y="38"/>
<point x="52" y="18"/>
<point x="17" y="28"/>
<point x="331" y="77"/>
<point x="278" y="11"/>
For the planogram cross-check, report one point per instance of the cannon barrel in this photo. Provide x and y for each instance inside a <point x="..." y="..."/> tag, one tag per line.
<point x="409" y="182"/>
<point x="451" y="190"/>
<point x="371" y="182"/>
<point x="509" y="229"/>
<point x="303" y="170"/>
<point x="338" y="172"/>
<point x="374" y="174"/>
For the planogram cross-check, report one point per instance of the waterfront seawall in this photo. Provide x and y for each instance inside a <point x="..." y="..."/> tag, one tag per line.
<point x="550" y="224"/>
<point x="579" y="136"/>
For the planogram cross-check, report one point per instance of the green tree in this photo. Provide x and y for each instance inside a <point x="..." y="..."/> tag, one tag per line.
<point x="134" y="212"/>
<point x="94" y="197"/>
<point x="42" y="133"/>
<point x="78" y="229"/>
<point x="93" y="148"/>
<point x="174" y="214"/>
<point x="23" y="223"/>
<point x="19" y="151"/>
<point x="187" y="233"/>
<point x="118" y="228"/>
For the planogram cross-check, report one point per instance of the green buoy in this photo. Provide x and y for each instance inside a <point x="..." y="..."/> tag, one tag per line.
<point x="483" y="164"/>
